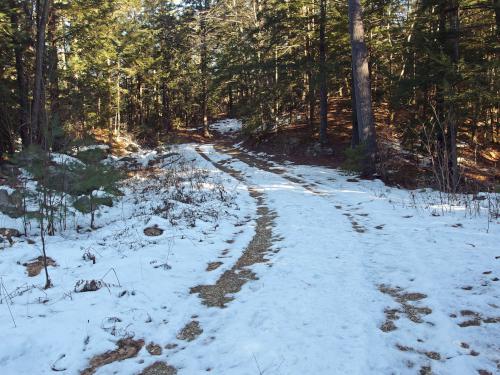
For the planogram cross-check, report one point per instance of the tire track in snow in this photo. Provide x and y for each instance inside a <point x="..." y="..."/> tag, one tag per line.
<point x="352" y="214"/>
<point x="349" y="332"/>
<point x="266" y="166"/>
<point x="272" y="168"/>
<point x="231" y="281"/>
<point x="212" y="295"/>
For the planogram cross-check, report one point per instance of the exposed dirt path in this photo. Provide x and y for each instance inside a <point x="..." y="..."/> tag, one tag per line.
<point x="212" y="295"/>
<point x="409" y="305"/>
<point x="351" y="213"/>
<point x="231" y="281"/>
<point x="267" y="166"/>
<point x="264" y="165"/>
<point x="410" y="309"/>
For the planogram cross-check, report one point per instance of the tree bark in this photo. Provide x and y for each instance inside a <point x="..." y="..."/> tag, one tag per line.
<point x="323" y="91"/>
<point x="355" y="130"/>
<point x="166" y="120"/>
<point x="452" y="120"/>
<point x="204" y="66"/>
<point x="311" y="100"/>
<point x="22" y="85"/>
<point x="446" y="109"/>
<point x="230" y="104"/>
<point x="496" y="7"/>
<point x="362" y="86"/>
<point x="118" y="119"/>
<point x="53" y="77"/>
<point x="37" y="133"/>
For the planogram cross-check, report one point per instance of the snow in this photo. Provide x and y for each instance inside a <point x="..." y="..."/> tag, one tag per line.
<point x="227" y="126"/>
<point x="7" y="189"/>
<point x="65" y="159"/>
<point x="340" y="248"/>
<point x="93" y="147"/>
<point x="80" y="325"/>
<point x="317" y="310"/>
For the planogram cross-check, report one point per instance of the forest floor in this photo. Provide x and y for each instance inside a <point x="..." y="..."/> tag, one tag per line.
<point x="248" y="265"/>
<point x="411" y="169"/>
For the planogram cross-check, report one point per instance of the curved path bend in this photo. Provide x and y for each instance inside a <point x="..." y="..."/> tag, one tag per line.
<point x="342" y="277"/>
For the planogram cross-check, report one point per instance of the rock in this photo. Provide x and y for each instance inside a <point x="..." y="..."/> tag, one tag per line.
<point x="83" y="204"/>
<point x="4" y="198"/>
<point x="154" y="349"/>
<point x="9" y="232"/>
<point x="11" y="204"/>
<point x="153" y="231"/>
<point x="130" y="163"/>
<point x="159" y="368"/>
<point x="190" y="331"/>
<point x="88" y="286"/>
<point x="162" y="157"/>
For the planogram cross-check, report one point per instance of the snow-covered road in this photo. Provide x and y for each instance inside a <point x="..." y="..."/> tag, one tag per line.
<point x="357" y="278"/>
<point x="359" y="283"/>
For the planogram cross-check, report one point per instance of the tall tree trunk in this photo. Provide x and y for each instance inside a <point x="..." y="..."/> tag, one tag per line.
<point x="118" y="120"/>
<point x="165" y="115"/>
<point x="362" y="86"/>
<point x="355" y="130"/>
<point x="37" y="133"/>
<point x="259" y="81"/>
<point x="230" y="104"/>
<point x="110" y="98"/>
<point x="311" y="99"/>
<point x="140" y="105"/>
<point x="323" y="91"/>
<point x="446" y="110"/>
<point x="22" y="85"/>
<point x="440" y="107"/>
<point x="276" y="93"/>
<point x="53" y="75"/>
<point x="452" y="120"/>
<point x="204" y="66"/>
<point x="496" y="7"/>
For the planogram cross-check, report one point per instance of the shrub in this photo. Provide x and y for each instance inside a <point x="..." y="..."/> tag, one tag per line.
<point x="354" y="159"/>
<point x="94" y="184"/>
